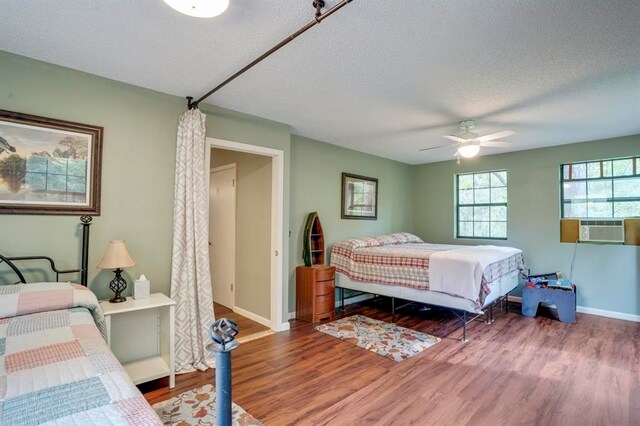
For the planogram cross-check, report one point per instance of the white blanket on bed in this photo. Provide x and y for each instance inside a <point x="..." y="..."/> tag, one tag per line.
<point x="459" y="271"/>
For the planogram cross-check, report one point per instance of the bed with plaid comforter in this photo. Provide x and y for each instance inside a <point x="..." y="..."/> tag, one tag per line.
<point x="55" y="365"/>
<point x="402" y="259"/>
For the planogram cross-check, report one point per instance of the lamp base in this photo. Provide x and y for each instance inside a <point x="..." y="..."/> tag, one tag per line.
<point x="117" y="285"/>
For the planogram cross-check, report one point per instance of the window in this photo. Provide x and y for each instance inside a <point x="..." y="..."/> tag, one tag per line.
<point x="601" y="189"/>
<point x="481" y="205"/>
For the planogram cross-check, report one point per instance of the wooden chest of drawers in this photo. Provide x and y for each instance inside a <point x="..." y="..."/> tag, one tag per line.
<point x="315" y="292"/>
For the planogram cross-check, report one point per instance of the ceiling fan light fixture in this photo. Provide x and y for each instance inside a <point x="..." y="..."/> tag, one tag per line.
<point x="469" y="150"/>
<point x="199" y="8"/>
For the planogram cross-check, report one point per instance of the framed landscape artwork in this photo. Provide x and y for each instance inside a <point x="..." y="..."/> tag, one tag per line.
<point x="359" y="197"/>
<point x="48" y="166"/>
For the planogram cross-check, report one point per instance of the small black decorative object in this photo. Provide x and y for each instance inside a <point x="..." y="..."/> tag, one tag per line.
<point x="118" y="285"/>
<point x="117" y="258"/>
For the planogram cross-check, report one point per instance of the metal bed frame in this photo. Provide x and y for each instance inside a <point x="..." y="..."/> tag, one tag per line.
<point x="85" y="221"/>
<point x="462" y="315"/>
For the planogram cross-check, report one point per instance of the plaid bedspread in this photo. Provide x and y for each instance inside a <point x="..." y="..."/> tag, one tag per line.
<point x="405" y="262"/>
<point x="55" y="366"/>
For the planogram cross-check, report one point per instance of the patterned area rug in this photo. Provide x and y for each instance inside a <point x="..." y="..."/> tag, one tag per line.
<point x="198" y="407"/>
<point x="388" y="340"/>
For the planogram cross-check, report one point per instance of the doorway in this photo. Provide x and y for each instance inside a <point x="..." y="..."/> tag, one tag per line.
<point x="256" y="290"/>
<point x="222" y="233"/>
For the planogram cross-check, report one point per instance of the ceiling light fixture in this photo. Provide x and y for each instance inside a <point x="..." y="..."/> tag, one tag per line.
<point x="199" y="8"/>
<point x="469" y="150"/>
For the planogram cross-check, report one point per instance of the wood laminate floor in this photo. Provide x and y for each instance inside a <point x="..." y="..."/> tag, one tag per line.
<point x="517" y="370"/>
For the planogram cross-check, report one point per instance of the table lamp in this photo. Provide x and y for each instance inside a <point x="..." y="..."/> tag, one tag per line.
<point x="117" y="258"/>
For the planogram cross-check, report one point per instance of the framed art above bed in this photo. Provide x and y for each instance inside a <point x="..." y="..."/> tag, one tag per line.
<point x="49" y="166"/>
<point x="359" y="197"/>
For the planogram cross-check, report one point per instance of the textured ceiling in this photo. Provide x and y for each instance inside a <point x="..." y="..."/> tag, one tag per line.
<point x="384" y="77"/>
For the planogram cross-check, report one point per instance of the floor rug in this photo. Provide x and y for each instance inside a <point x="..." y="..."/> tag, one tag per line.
<point x="198" y="407"/>
<point x="382" y="338"/>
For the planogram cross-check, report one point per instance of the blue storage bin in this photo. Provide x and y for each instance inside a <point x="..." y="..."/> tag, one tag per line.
<point x="564" y="300"/>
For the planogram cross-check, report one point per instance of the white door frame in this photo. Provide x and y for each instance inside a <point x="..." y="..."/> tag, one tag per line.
<point x="278" y="323"/>
<point x="234" y="167"/>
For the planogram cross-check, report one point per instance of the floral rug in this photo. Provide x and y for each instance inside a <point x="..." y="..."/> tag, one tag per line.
<point x="382" y="338"/>
<point x="198" y="407"/>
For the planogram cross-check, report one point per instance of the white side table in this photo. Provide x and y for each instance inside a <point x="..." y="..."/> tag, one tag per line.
<point x="141" y="334"/>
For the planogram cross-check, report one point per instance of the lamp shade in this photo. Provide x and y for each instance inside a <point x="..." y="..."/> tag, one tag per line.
<point x="199" y="8"/>
<point x="117" y="256"/>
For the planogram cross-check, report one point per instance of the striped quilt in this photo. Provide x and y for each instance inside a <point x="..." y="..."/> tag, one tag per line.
<point x="55" y="365"/>
<point x="403" y="260"/>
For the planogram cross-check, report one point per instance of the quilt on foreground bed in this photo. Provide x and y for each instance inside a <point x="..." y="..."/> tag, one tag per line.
<point x="55" y="365"/>
<point x="403" y="259"/>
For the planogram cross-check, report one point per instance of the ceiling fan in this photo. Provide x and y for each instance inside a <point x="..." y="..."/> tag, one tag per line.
<point x="468" y="143"/>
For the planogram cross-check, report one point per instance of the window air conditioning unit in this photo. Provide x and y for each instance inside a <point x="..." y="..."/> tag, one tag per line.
<point x="602" y="231"/>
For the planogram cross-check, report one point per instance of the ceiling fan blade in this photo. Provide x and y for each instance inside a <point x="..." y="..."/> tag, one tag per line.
<point x="496" y="144"/>
<point x="454" y="138"/>
<point x="497" y="135"/>
<point x="435" y="147"/>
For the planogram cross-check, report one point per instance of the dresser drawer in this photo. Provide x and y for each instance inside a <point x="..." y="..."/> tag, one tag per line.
<point x="324" y="316"/>
<point x="325" y="287"/>
<point x="326" y="303"/>
<point x="325" y="273"/>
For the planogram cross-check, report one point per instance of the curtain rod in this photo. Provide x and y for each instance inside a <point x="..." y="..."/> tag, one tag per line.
<point x="318" y="5"/>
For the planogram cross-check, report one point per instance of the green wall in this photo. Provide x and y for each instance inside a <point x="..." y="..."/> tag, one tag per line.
<point x="316" y="179"/>
<point x="608" y="276"/>
<point x="137" y="170"/>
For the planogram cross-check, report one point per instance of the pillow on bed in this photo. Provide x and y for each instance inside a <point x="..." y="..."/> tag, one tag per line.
<point x="23" y="299"/>
<point x="380" y="240"/>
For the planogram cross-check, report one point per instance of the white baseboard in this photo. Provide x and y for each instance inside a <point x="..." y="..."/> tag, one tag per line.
<point x="593" y="311"/>
<point x="580" y="309"/>
<point x="608" y="314"/>
<point x="284" y="326"/>
<point x="357" y="299"/>
<point x="255" y="336"/>
<point x="252" y="316"/>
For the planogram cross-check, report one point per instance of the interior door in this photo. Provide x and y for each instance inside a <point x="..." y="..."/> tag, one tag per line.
<point x="222" y="233"/>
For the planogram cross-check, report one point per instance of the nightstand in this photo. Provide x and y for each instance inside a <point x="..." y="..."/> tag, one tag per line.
<point x="315" y="292"/>
<point x="141" y="334"/>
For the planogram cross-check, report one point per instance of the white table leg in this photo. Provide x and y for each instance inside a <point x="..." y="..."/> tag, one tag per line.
<point x="172" y="346"/>
<point x="107" y="320"/>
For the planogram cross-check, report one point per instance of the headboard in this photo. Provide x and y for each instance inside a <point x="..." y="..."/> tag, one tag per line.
<point x="84" y="263"/>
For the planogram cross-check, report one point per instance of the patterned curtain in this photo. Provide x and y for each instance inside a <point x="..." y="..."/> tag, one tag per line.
<point x="190" y="274"/>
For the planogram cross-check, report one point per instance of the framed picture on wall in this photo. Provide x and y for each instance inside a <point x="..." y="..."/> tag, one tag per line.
<point x="359" y="197"/>
<point x="49" y="166"/>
